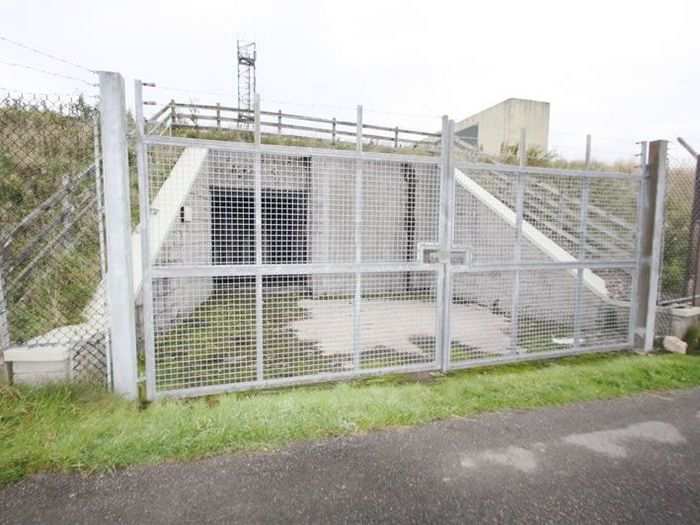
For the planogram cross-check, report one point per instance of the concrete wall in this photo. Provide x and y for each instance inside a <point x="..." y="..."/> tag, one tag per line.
<point x="499" y="125"/>
<point x="545" y="295"/>
<point x="330" y="183"/>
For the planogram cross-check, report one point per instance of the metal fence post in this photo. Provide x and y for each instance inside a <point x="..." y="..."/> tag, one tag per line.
<point x="120" y="278"/>
<point x="258" y="189"/>
<point x="4" y="323"/>
<point x="356" y="331"/>
<point x="693" y="265"/>
<point x="444" y="287"/>
<point x="517" y="247"/>
<point x="640" y="218"/>
<point x="145" y="313"/>
<point x="99" y="195"/>
<point x="651" y="239"/>
<point x="581" y="256"/>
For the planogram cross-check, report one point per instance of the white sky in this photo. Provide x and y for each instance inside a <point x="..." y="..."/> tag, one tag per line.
<point x="621" y="70"/>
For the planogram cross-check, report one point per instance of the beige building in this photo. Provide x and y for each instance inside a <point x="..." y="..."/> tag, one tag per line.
<point x="499" y="126"/>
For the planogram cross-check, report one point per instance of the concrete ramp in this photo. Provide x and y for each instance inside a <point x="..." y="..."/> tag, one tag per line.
<point x="538" y="239"/>
<point x="165" y="211"/>
<point x="165" y="208"/>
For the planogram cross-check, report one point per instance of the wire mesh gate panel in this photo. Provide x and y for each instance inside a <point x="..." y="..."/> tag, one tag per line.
<point x="553" y="262"/>
<point x="270" y="265"/>
<point x="273" y="265"/>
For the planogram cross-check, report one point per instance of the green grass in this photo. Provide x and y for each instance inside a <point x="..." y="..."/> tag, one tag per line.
<point x="78" y="428"/>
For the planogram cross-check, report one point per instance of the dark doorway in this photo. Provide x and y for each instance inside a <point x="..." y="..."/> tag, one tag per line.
<point x="284" y="228"/>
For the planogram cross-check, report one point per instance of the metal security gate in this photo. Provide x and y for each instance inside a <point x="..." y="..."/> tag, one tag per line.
<point x="270" y="265"/>
<point x="552" y="263"/>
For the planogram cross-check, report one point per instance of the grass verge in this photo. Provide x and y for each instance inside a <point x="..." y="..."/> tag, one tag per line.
<point x="74" y="427"/>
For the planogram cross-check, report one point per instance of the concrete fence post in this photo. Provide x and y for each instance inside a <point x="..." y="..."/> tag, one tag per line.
<point x="120" y="289"/>
<point x="650" y="238"/>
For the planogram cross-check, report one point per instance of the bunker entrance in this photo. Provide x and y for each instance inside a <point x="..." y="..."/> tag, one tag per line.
<point x="285" y="238"/>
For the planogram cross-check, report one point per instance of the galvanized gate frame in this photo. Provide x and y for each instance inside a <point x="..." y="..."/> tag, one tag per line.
<point x="446" y="261"/>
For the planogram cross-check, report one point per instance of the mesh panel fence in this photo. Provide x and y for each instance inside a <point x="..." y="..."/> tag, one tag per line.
<point x="50" y="226"/>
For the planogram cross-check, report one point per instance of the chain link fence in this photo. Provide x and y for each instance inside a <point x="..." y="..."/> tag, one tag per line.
<point x="678" y="266"/>
<point x="51" y="230"/>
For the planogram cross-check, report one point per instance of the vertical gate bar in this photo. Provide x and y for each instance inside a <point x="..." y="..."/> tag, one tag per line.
<point x="101" y="235"/>
<point x="356" y="343"/>
<point x="583" y="220"/>
<point x="517" y="247"/>
<point x="259" y="347"/>
<point x="641" y="196"/>
<point x="444" y="293"/>
<point x="120" y="277"/>
<point x="144" y="233"/>
<point x="658" y="161"/>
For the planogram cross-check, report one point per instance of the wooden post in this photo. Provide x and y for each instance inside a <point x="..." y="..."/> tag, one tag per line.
<point x="396" y="137"/>
<point x="218" y="115"/>
<point x="279" y="121"/>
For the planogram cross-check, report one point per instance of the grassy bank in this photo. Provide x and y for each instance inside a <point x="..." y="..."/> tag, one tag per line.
<point x="64" y="428"/>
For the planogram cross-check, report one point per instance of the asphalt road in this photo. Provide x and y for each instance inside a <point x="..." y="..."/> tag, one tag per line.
<point x="633" y="460"/>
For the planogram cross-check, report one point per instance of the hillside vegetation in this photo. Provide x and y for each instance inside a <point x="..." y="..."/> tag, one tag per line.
<point x="50" y="258"/>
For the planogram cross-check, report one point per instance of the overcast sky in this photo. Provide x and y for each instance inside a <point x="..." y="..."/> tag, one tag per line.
<point x="621" y="70"/>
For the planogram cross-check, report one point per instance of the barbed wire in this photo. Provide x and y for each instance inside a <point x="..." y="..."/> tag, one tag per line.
<point x="23" y="93"/>
<point x="45" y="72"/>
<point x="45" y="54"/>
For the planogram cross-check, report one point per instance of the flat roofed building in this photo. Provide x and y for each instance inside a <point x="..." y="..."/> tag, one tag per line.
<point x="497" y="127"/>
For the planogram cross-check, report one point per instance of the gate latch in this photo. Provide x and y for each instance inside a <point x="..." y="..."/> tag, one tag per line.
<point x="432" y="254"/>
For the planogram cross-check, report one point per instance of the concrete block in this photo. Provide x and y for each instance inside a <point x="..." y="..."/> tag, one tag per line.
<point x="683" y="318"/>
<point x="675" y="345"/>
<point x="35" y="366"/>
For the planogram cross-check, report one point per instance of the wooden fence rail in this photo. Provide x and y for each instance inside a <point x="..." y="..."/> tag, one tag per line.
<point x="178" y="115"/>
